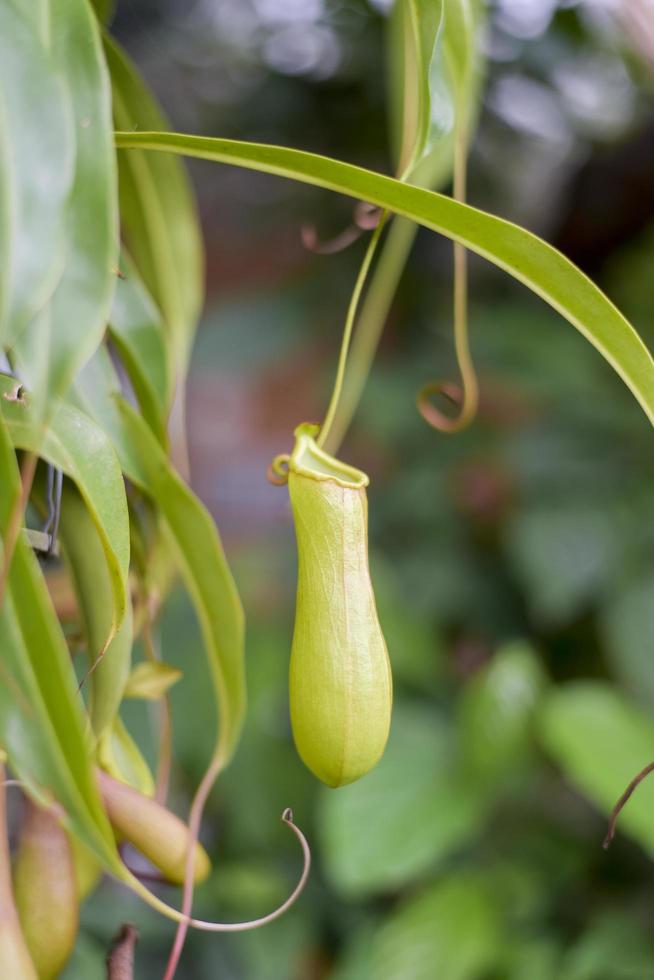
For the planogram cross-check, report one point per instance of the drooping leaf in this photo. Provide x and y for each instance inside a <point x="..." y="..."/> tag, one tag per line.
<point x="528" y="258"/>
<point x="194" y="537"/>
<point x="158" y="214"/>
<point x="601" y="740"/>
<point x="36" y="168"/>
<point x="41" y="719"/>
<point x="55" y="344"/>
<point x="42" y="724"/>
<point x="204" y="567"/>
<point x="110" y="663"/>
<point x="136" y="329"/>
<point x="76" y="445"/>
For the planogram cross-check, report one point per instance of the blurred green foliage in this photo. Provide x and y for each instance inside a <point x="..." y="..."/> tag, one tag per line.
<point x="514" y="567"/>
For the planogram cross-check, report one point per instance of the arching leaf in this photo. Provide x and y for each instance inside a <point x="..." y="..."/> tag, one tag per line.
<point x="522" y="254"/>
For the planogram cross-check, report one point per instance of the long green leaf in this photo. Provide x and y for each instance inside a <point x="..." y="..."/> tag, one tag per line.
<point x="84" y="551"/>
<point x="195" y="537"/>
<point x="158" y="213"/>
<point x="206" y="572"/>
<point x="55" y="344"/>
<point x="525" y="256"/>
<point x="77" y="446"/>
<point x="415" y="27"/>
<point x="41" y="718"/>
<point x="135" y="327"/>
<point x="36" y="169"/>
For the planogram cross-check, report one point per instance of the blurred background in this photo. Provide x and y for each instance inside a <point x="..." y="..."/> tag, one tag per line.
<point x="514" y="563"/>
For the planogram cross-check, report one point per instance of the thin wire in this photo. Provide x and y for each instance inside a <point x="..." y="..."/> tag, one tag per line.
<point x="55" y="482"/>
<point x="347" y="330"/>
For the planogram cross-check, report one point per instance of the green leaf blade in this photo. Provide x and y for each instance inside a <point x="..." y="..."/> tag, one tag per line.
<point x="527" y="258"/>
<point x="158" y="214"/>
<point x="56" y="343"/>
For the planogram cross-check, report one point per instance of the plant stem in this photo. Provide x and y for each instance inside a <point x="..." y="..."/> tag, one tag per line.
<point x="323" y="435"/>
<point x="370" y="324"/>
<point x="195" y="819"/>
<point x="165" y="733"/>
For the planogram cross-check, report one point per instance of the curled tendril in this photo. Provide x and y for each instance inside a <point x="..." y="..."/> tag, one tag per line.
<point x="615" y="813"/>
<point x="450" y="391"/>
<point x="277" y="472"/>
<point x="465" y="398"/>
<point x="466" y="395"/>
<point x="185" y="920"/>
<point x="365" y="217"/>
<point x="333" y="245"/>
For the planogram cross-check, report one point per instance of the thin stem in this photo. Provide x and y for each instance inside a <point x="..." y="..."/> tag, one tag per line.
<point x="461" y="342"/>
<point x="27" y="471"/>
<point x="165" y="747"/>
<point x="195" y="818"/>
<point x="615" y="813"/>
<point x="370" y="323"/>
<point x="347" y="330"/>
